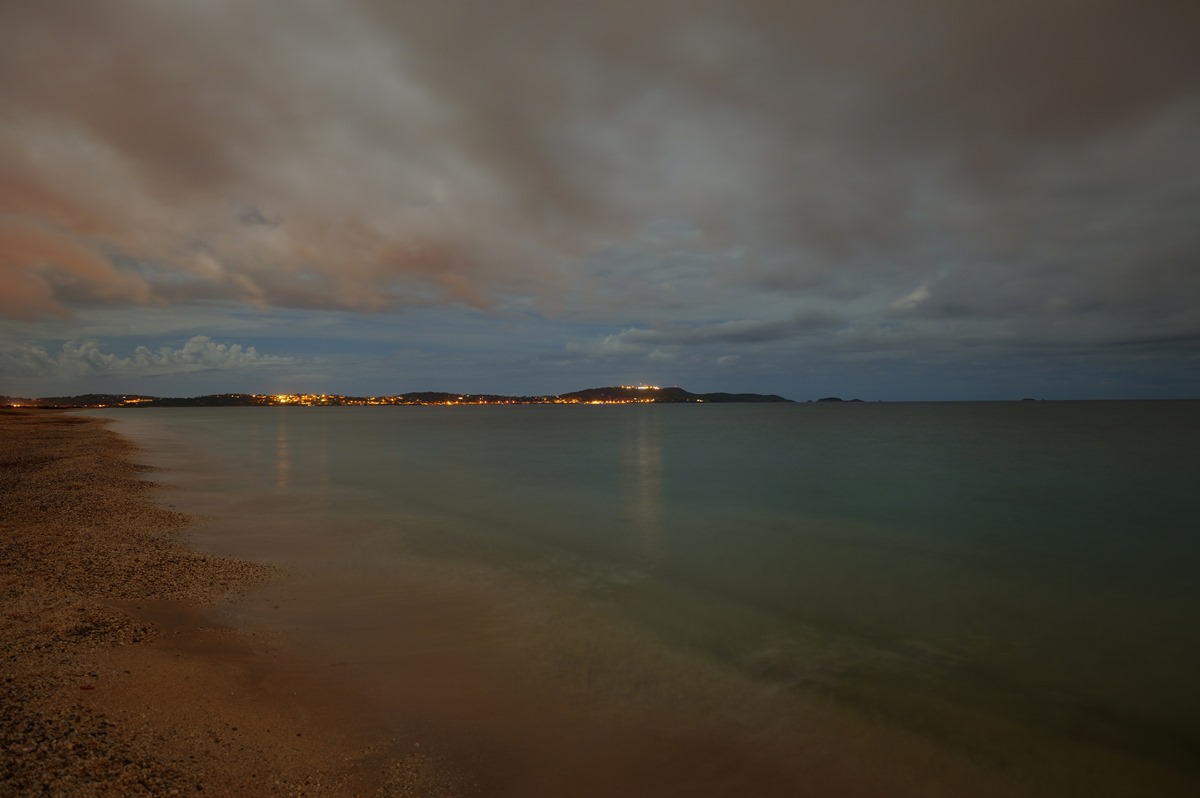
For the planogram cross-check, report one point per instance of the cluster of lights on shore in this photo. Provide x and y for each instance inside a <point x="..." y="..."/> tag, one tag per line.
<point x="318" y="399"/>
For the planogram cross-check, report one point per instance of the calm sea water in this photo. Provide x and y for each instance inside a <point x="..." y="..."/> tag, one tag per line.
<point x="1016" y="583"/>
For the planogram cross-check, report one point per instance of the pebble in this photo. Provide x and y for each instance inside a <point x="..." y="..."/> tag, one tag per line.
<point x="80" y="528"/>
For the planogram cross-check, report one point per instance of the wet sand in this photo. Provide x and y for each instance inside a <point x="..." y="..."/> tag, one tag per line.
<point x="136" y="665"/>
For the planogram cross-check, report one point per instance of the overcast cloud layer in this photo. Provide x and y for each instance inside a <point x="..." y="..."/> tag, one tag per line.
<point x="905" y="199"/>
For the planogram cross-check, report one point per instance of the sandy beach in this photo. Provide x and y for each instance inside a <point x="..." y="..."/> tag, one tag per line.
<point x="115" y="679"/>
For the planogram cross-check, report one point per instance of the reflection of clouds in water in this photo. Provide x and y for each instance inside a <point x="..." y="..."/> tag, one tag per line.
<point x="641" y="477"/>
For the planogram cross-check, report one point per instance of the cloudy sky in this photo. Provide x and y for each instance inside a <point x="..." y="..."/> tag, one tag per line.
<point x="899" y="199"/>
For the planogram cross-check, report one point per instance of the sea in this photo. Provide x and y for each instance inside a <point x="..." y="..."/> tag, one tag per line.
<point x="984" y="598"/>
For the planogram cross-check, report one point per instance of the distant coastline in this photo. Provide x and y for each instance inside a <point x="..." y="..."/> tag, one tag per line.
<point x="616" y="394"/>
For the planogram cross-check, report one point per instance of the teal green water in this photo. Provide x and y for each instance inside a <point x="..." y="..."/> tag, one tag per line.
<point x="998" y="577"/>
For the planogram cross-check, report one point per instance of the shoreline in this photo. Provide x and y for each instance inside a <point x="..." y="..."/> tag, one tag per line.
<point x="124" y="681"/>
<point x="120" y="680"/>
<point x="135" y="664"/>
<point x="116" y="679"/>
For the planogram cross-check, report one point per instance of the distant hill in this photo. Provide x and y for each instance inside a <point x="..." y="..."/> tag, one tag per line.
<point x="212" y="400"/>
<point x="618" y="394"/>
<point x="656" y="395"/>
<point x="82" y="400"/>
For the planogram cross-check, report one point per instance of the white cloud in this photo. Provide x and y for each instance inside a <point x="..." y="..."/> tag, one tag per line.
<point x="85" y="358"/>
<point x="914" y="298"/>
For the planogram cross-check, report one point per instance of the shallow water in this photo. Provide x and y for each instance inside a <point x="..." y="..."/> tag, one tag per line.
<point x="1013" y="585"/>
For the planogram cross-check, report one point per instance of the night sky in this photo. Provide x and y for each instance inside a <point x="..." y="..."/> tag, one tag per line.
<point x="888" y="200"/>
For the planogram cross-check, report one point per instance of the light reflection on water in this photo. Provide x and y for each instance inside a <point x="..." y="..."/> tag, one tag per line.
<point x="642" y="478"/>
<point x="962" y="569"/>
<point x="283" y="460"/>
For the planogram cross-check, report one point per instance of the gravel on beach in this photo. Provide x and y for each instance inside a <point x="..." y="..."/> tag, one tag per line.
<point x="98" y="696"/>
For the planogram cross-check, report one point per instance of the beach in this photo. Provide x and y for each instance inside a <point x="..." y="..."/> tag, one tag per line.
<point x="539" y="602"/>
<point x="123" y="676"/>
<point x="116" y="681"/>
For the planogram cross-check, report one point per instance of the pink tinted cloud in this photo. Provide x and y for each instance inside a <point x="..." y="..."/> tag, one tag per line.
<point x="418" y="153"/>
<point x="41" y="266"/>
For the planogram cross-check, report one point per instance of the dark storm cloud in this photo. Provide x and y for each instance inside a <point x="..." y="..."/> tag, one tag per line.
<point x="1020" y="169"/>
<point x="726" y="332"/>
